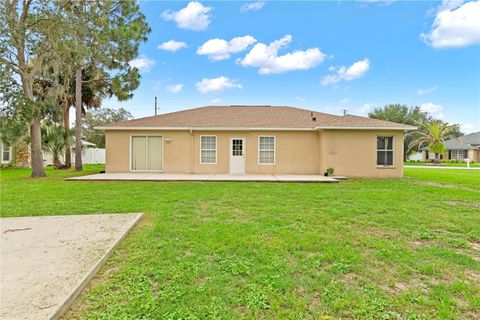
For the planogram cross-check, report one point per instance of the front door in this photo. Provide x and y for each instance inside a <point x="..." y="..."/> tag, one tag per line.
<point x="237" y="156"/>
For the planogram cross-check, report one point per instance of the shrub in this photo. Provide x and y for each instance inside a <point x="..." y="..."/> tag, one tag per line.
<point x="444" y="161"/>
<point x="453" y="161"/>
<point x="9" y="165"/>
<point x="472" y="161"/>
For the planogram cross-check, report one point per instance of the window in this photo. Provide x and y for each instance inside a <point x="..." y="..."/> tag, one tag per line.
<point x="147" y="153"/>
<point x="208" y="149"/>
<point x="6" y="153"/>
<point x="266" y="150"/>
<point x="458" y="154"/>
<point x="384" y="151"/>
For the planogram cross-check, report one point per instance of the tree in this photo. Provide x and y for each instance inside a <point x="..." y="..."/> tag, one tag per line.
<point x="434" y="134"/>
<point x="100" y="117"/>
<point x="104" y="36"/>
<point x="27" y="31"/>
<point x="402" y="114"/>
<point x="55" y="140"/>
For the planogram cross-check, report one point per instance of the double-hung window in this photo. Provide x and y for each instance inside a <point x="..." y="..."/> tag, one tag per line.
<point x="6" y="153"/>
<point x="266" y="150"/>
<point x="384" y="151"/>
<point x="458" y="154"/>
<point x="208" y="149"/>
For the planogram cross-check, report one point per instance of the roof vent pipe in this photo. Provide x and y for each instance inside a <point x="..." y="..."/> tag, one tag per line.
<point x="313" y="118"/>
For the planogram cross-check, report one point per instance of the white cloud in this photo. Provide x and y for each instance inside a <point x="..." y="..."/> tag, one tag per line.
<point x="174" y="88"/>
<point x="456" y="24"/>
<point x="217" y="84"/>
<point x="435" y="110"/>
<point x="172" y="45"/>
<point x="195" y="16"/>
<point x="216" y="101"/>
<point x="344" y="101"/>
<point x="422" y="92"/>
<point x="252" y="6"/>
<point x="143" y="63"/>
<point x="266" y="58"/>
<point x="219" y="49"/>
<point x="366" y="108"/>
<point x="355" y="71"/>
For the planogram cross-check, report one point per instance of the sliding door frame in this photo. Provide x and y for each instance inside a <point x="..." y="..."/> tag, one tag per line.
<point x="146" y="150"/>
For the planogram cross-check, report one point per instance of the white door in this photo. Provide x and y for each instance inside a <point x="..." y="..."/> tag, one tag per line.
<point x="237" y="156"/>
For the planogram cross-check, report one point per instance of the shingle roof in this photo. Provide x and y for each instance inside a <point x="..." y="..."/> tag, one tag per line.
<point x="465" y="142"/>
<point x="252" y="117"/>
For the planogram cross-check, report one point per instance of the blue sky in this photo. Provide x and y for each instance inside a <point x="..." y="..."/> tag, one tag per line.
<point x="324" y="56"/>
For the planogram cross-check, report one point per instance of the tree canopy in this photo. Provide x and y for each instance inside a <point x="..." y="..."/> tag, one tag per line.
<point x="98" y="117"/>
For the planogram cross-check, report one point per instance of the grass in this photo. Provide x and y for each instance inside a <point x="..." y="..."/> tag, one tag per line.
<point x="443" y="164"/>
<point x="361" y="249"/>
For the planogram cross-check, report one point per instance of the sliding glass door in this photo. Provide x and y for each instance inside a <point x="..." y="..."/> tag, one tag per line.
<point x="147" y="153"/>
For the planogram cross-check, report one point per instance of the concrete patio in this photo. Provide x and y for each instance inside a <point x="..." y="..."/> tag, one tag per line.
<point x="47" y="261"/>
<point x="206" y="177"/>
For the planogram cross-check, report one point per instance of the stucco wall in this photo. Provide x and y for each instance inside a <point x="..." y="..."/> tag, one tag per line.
<point x="351" y="153"/>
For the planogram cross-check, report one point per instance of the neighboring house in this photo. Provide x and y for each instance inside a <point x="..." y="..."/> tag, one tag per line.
<point x="256" y="140"/>
<point x="417" y="156"/>
<point x="17" y="154"/>
<point x="461" y="148"/>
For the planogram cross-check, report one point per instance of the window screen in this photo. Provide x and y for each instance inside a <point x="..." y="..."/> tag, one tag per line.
<point x="208" y="149"/>
<point x="266" y="150"/>
<point x="385" y="151"/>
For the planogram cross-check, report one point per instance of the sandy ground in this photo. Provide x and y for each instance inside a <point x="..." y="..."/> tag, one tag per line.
<point x="46" y="261"/>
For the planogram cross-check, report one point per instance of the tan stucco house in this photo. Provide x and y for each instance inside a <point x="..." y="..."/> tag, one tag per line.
<point x="460" y="149"/>
<point x="256" y="140"/>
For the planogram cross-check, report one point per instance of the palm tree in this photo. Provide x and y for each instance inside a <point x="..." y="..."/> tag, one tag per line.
<point x="55" y="140"/>
<point x="434" y="133"/>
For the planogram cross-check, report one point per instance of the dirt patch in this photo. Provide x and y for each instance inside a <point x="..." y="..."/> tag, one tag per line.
<point x="474" y="205"/>
<point x="441" y="185"/>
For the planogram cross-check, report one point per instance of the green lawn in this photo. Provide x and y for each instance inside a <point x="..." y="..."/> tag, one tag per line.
<point x="360" y="249"/>
<point x="444" y="164"/>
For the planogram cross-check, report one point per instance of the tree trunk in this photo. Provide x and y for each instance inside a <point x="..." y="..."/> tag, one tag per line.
<point x="38" y="170"/>
<point x="66" y="125"/>
<point x="437" y="158"/>
<point x="78" y="119"/>
<point x="36" y="154"/>
<point x="56" y="161"/>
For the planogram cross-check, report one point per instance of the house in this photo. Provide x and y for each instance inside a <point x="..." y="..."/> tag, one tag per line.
<point x="16" y="155"/>
<point x="256" y="140"/>
<point x="461" y="148"/>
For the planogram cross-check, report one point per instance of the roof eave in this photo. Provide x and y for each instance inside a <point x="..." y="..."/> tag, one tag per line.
<point x="206" y="128"/>
<point x="364" y="128"/>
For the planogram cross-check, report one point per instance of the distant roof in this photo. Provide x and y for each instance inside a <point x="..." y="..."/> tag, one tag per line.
<point x="465" y="142"/>
<point x="253" y="117"/>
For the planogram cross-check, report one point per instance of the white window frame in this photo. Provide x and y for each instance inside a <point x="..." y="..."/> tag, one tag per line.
<point x="393" y="152"/>
<point x="9" y="153"/>
<point x="456" y="154"/>
<point x="216" y="148"/>
<point x="274" y="150"/>
<point x="146" y="150"/>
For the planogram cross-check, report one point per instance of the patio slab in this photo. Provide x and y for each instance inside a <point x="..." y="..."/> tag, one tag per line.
<point x="47" y="261"/>
<point x="205" y="177"/>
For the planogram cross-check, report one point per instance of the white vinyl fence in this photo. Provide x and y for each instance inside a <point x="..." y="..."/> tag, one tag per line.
<point x="89" y="156"/>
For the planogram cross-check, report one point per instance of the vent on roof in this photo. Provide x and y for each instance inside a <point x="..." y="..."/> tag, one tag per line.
<point x="239" y="105"/>
<point x="313" y="118"/>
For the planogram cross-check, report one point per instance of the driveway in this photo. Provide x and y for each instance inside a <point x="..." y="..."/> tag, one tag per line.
<point x="47" y="261"/>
